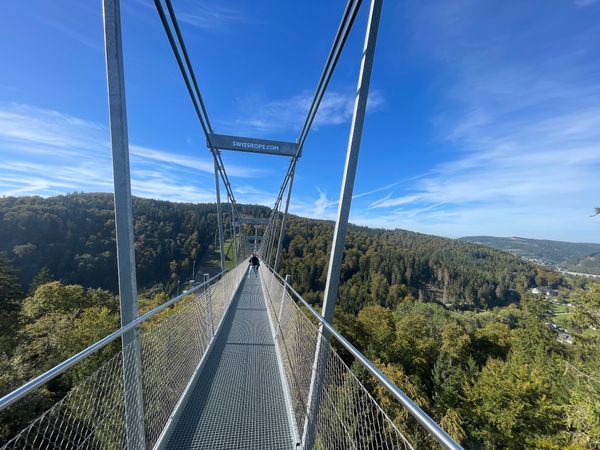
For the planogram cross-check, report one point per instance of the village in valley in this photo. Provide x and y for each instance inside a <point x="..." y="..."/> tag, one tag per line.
<point x="560" y="311"/>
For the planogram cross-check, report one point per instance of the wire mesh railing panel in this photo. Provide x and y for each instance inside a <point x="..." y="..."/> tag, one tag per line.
<point x="170" y="354"/>
<point x="73" y="422"/>
<point x="172" y="343"/>
<point x="275" y="291"/>
<point x="348" y="416"/>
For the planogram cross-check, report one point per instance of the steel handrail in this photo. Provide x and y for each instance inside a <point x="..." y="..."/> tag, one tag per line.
<point x="18" y="393"/>
<point x="414" y="410"/>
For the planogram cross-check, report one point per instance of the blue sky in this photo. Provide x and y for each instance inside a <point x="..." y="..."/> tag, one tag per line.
<point x="484" y="116"/>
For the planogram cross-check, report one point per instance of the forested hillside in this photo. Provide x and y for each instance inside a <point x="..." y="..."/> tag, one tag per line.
<point x="73" y="238"/>
<point x="572" y="256"/>
<point x="384" y="267"/>
<point x="452" y="323"/>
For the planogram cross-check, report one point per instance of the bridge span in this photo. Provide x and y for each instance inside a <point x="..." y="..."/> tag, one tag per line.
<point x="234" y="362"/>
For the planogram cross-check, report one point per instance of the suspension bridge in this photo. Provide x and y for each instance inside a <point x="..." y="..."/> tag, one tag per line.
<point x="240" y="360"/>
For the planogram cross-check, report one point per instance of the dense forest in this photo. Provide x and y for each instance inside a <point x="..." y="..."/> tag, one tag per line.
<point x="454" y="324"/>
<point x="387" y="266"/>
<point x="72" y="237"/>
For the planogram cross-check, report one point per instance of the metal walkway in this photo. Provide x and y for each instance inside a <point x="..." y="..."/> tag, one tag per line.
<point x="238" y="401"/>
<point x="175" y="384"/>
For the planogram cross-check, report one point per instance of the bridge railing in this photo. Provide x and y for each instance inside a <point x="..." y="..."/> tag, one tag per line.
<point x="348" y="416"/>
<point x="174" y="337"/>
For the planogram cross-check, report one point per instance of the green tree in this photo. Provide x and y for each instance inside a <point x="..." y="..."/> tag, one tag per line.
<point x="42" y="277"/>
<point x="10" y="297"/>
<point x="587" y="306"/>
<point x="410" y="386"/>
<point x="511" y="407"/>
<point x="55" y="298"/>
<point x="378" y="324"/>
<point x="10" y="289"/>
<point x="583" y="411"/>
<point x="94" y="323"/>
<point x="60" y="320"/>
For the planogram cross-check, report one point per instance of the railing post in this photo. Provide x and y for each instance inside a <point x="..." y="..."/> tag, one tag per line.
<point x="341" y="224"/>
<point x="132" y="362"/>
<point x="255" y="237"/>
<point x="209" y="304"/>
<point x="285" y="285"/>
<point x="272" y="281"/>
<point x="224" y="291"/>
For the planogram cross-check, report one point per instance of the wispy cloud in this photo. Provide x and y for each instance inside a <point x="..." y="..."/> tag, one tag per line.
<point x="212" y="16"/>
<point x="584" y="3"/>
<point x="288" y="114"/>
<point x="388" y="201"/>
<point x="167" y="159"/>
<point x="46" y="152"/>
<point x="374" y="191"/>
<point x="253" y="195"/>
<point x="319" y="207"/>
<point x="74" y="30"/>
<point x="518" y="131"/>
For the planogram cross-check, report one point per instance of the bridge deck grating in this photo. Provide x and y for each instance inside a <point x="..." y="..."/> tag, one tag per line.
<point x="238" y="401"/>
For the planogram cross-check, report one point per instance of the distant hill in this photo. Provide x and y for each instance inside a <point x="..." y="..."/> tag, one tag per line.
<point x="72" y="238"/>
<point x="575" y="257"/>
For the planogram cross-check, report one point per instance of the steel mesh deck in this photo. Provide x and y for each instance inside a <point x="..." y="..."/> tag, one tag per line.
<point x="238" y="401"/>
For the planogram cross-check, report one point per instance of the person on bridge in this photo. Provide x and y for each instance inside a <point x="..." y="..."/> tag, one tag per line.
<point x="254" y="264"/>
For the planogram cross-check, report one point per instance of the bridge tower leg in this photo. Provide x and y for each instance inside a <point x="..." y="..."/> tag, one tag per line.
<point x="284" y="219"/>
<point x="219" y="217"/>
<point x="341" y="224"/>
<point x="236" y="230"/>
<point x="132" y="362"/>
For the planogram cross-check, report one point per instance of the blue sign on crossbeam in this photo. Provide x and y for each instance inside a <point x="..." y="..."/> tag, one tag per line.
<point x="244" y="144"/>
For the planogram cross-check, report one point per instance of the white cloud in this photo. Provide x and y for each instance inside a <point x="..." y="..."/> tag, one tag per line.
<point x="213" y="16"/>
<point x="518" y="131"/>
<point x="388" y="201"/>
<point x="46" y="152"/>
<point x="321" y="207"/>
<point x="374" y="191"/>
<point x="584" y="3"/>
<point x="252" y="195"/>
<point x="28" y="125"/>
<point x="289" y="114"/>
<point x="207" y="16"/>
<point x="534" y="176"/>
<point x="167" y="159"/>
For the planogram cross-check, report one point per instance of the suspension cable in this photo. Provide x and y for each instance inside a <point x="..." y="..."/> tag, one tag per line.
<point x="348" y="17"/>
<point x="339" y="41"/>
<point x="186" y="69"/>
<point x="193" y="88"/>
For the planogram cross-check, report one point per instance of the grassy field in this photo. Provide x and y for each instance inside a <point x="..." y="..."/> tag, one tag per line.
<point x="229" y="248"/>
<point x="561" y="309"/>
<point x="214" y="259"/>
<point x="563" y="316"/>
